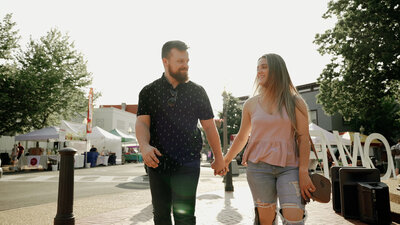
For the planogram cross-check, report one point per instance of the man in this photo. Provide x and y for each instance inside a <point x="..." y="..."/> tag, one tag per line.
<point x="93" y="149"/>
<point x="169" y="139"/>
<point x="20" y="150"/>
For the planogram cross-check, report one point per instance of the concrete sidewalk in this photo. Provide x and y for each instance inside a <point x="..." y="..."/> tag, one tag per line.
<point x="133" y="206"/>
<point x="216" y="207"/>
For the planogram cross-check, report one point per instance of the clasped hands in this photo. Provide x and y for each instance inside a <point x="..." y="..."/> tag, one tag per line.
<point x="220" y="166"/>
<point x="149" y="154"/>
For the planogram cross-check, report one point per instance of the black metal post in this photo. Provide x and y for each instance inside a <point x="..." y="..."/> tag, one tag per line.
<point x="228" y="176"/>
<point x="229" y="181"/>
<point x="65" y="202"/>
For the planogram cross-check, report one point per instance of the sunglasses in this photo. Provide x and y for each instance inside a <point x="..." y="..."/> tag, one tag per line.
<point x="172" y="100"/>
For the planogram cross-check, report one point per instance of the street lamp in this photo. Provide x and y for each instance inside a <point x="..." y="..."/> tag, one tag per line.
<point x="362" y="129"/>
<point x="228" y="176"/>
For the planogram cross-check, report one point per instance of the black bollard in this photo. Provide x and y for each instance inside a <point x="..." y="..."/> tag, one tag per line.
<point x="228" y="176"/>
<point x="65" y="202"/>
<point x="228" y="181"/>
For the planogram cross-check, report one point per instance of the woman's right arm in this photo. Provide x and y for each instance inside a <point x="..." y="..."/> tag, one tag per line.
<point x="243" y="135"/>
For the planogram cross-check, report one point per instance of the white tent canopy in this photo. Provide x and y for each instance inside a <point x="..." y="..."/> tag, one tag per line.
<point x="103" y="139"/>
<point x="43" y="134"/>
<point x="66" y="131"/>
<point x="124" y="137"/>
<point x="71" y="130"/>
<point x="330" y="137"/>
<point x="56" y="134"/>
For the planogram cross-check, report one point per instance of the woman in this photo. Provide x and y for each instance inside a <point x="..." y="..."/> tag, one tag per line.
<point x="275" y="168"/>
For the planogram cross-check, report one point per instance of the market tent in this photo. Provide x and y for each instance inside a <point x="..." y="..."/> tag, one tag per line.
<point x="124" y="137"/>
<point x="102" y="139"/>
<point x="66" y="131"/>
<point x="73" y="131"/>
<point x="49" y="135"/>
<point x="43" y="134"/>
<point x="330" y="137"/>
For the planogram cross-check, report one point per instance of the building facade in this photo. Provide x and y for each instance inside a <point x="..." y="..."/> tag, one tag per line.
<point x="317" y="115"/>
<point x="110" y="118"/>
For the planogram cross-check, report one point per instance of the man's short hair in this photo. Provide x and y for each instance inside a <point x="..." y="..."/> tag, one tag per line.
<point x="168" y="46"/>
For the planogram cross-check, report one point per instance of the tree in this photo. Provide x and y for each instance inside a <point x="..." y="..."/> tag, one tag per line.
<point x="8" y="39"/>
<point x="46" y="85"/>
<point x="8" y="47"/>
<point x="362" y="81"/>
<point x="55" y="75"/>
<point x="233" y="116"/>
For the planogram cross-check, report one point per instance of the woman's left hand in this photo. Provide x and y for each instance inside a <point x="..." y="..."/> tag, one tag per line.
<point x="306" y="185"/>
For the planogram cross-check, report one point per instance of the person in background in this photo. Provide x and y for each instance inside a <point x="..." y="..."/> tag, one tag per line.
<point x="396" y="153"/>
<point x="93" y="149"/>
<point x="14" y="154"/>
<point x="20" y="150"/>
<point x="169" y="110"/>
<point x="275" y="168"/>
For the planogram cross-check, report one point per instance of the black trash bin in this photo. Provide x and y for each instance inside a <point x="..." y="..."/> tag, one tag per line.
<point x="348" y="180"/>
<point x="374" y="203"/>
<point x="336" y="186"/>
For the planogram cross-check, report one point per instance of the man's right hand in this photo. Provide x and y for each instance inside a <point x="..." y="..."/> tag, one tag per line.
<point x="149" y="155"/>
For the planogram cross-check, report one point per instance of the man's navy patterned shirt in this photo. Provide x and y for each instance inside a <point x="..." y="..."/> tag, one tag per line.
<point x="173" y="128"/>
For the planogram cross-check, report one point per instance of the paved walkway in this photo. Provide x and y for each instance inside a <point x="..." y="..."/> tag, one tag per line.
<point x="216" y="207"/>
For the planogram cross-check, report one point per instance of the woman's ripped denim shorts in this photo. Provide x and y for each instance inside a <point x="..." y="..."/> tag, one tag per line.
<point x="269" y="183"/>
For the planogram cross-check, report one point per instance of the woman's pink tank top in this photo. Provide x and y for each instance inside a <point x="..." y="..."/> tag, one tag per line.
<point x="271" y="139"/>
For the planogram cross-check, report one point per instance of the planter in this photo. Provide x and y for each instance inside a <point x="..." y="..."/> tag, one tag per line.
<point x="54" y="167"/>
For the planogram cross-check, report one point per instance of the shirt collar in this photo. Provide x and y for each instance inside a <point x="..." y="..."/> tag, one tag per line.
<point x="166" y="83"/>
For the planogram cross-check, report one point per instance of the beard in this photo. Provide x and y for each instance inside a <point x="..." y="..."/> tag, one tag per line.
<point x="179" y="75"/>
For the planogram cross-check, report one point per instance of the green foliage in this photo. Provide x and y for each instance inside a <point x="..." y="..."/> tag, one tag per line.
<point x="234" y="114"/>
<point x="47" y="82"/>
<point x="233" y="117"/>
<point x="362" y="82"/>
<point x="8" y="69"/>
<point x="8" y="38"/>
<point x="56" y="75"/>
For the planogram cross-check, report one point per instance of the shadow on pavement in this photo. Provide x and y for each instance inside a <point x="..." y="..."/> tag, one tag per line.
<point x="208" y="197"/>
<point x="229" y="212"/>
<point x="141" y="182"/>
<point x="143" y="216"/>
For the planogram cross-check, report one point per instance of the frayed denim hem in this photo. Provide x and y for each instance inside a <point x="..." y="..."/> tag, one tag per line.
<point x="287" y="222"/>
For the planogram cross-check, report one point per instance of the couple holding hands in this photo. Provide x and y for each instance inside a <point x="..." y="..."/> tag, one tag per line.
<point x="170" y="142"/>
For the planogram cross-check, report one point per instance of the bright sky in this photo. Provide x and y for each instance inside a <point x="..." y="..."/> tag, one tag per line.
<point x="122" y="40"/>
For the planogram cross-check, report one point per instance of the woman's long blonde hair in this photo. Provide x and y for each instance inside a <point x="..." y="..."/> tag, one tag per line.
<point x="279" y="87"/>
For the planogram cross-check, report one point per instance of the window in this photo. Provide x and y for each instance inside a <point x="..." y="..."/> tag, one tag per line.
<point x="313" y="116"/>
